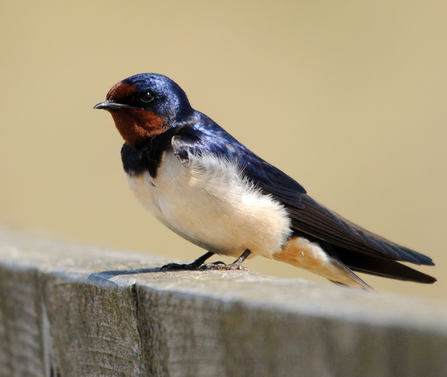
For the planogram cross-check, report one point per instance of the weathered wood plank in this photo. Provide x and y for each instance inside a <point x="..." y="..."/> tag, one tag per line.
<point x="77" y="310"/>
<point x="21" y="346"/>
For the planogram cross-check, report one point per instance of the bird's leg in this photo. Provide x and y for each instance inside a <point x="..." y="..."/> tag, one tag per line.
<point x="236" y="265"/>
<point x="187" y="267"/>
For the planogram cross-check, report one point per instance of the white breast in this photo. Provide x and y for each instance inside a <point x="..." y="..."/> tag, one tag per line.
<point x="207" y="202"/>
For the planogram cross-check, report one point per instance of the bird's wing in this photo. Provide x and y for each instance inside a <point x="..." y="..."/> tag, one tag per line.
<point x="321" y="222"/>
<point x="308" y="216"/>
<point x="215" y="140"/>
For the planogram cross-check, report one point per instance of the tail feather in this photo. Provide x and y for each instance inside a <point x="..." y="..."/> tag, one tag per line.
<point x="379" y="266"/>
<point x="338" y="264"/>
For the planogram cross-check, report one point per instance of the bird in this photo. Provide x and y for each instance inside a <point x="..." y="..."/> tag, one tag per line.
<point x="207" y="187"/>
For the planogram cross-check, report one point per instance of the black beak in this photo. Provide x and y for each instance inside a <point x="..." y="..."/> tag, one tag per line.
<point x="109" y="105"/>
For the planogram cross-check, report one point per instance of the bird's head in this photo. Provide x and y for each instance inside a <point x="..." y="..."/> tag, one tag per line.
<point x="145" y="105"/>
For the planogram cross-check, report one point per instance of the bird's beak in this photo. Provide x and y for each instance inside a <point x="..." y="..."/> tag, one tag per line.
<point x="109" y="105"/>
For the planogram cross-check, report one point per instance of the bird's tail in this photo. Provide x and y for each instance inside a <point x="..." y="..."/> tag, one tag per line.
<point x="302" y="253"/>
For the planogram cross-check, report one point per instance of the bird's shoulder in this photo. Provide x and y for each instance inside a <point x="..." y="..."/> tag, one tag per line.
<point x="207" y="137"/>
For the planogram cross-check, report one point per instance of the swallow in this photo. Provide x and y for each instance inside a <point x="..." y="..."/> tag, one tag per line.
<point x="207" y="187"/>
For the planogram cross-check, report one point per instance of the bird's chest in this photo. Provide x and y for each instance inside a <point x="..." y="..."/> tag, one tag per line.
<point x="207" y="202"/>
<point x="175" y="196"/>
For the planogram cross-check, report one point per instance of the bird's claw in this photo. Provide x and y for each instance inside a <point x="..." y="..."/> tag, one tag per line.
<point x="216" y="266"/>
<point x="220" y="266"/>
<point x="179" y="267"/>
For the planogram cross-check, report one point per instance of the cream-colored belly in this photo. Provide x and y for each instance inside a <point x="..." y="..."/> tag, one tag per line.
<point x="208" y="203"/>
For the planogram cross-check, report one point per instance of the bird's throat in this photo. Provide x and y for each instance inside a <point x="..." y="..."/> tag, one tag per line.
<point x="136" y="125"/>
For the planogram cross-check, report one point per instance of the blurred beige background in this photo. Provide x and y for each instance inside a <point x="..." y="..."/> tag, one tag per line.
<point x="349" y="98"/>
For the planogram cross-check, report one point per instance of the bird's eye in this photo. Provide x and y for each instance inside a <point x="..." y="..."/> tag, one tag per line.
<point x="147" y="97"/>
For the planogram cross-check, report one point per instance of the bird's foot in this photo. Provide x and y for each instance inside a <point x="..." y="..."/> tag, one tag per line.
<point x="220" y="266"/>
<point x="194" y="266"/>
<point x="199" y="264"/>
<point x="216" y="266"/>
<point x="179" y="267"/>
